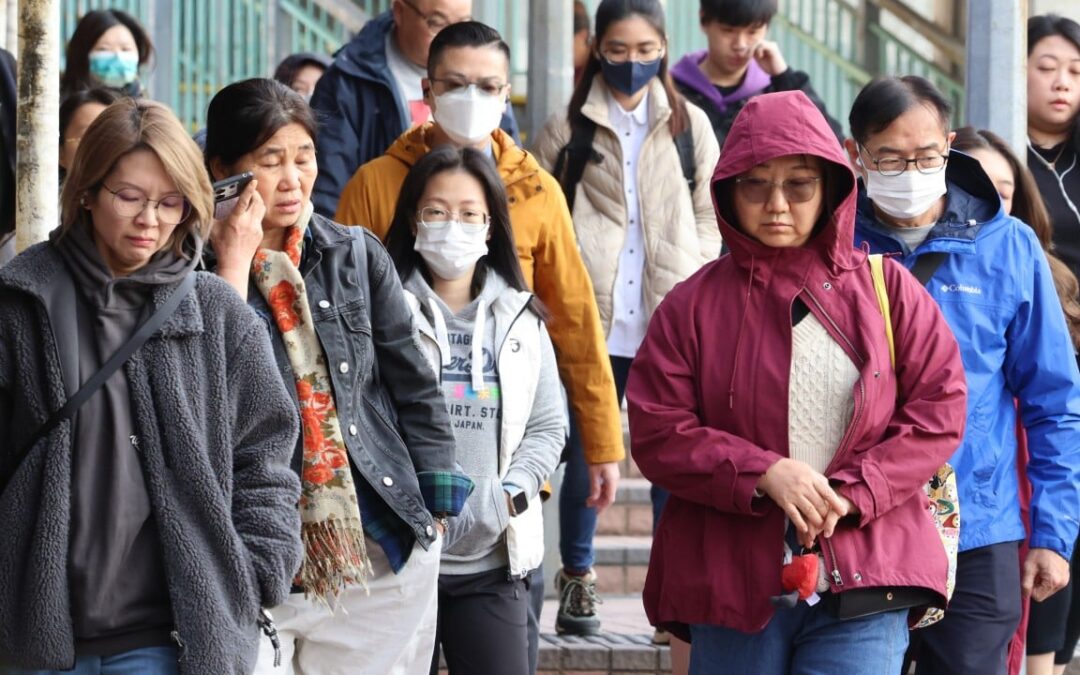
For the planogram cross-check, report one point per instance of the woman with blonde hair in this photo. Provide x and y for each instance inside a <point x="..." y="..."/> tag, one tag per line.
<point x="149" y="511"/>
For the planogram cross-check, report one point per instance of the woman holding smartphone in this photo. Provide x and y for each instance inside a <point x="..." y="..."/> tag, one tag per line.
<point x="376" y="458"/>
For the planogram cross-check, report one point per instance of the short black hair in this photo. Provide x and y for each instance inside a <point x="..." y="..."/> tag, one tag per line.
<point x="886" y="98"/>
<point x="464" y="34"/>
<point x="738" y="12"/>
<point x="73" y="102"/>
<point x="246" y="114"/>
<point x="291" y="65"/>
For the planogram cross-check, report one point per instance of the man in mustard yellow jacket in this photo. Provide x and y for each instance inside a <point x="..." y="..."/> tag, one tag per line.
<point x="467" y="89"/>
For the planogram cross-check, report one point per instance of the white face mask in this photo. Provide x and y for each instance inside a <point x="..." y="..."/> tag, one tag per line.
<point x="450" y="251"/>
<point x="906" y="196"/>
<point x="468" y="115"/>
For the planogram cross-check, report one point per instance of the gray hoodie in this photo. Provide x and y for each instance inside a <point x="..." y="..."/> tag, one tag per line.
<point x="119" y="599"/>
<point x="475" y="414"/>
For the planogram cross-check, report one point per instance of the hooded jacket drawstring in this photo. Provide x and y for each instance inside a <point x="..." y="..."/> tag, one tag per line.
<point x="738" y="340"/>
<point x="441" y="334"/>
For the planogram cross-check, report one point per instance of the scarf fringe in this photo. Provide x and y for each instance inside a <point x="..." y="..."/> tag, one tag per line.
<point x="335" y="556"/>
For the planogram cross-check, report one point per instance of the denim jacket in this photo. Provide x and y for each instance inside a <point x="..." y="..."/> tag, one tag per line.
<point x="391" y="410"/>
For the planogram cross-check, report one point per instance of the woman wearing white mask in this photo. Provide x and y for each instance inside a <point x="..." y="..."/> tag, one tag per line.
<point x="634" y="161"/>
<point x="107" y="49"/>
<point x="483" y="334"/>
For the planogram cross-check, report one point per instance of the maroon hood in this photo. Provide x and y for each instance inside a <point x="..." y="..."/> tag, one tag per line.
<point x="787" y="123"/>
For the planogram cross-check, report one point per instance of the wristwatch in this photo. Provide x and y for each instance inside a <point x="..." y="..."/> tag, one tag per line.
<point x="441" y="519"/>
<point x="519" y="501"/>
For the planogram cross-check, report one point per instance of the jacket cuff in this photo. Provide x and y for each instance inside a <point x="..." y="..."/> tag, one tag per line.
<point x="444" y="491"/>
<point x="523" y="480"/>
<point x="1055" y="544"/>
<point x="863" y="499"/>
<point x="604" y="454"/>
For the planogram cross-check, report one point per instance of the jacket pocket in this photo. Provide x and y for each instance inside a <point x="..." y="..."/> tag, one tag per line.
<point x="489" y="520"/>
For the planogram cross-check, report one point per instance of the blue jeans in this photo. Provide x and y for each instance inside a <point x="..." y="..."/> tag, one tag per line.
<point x="804" y="640"/>
<point x="577" y="522"/>
<point x="145" y="661"/>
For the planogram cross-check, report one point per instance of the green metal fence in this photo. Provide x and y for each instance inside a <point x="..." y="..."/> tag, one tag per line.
<point x="205" y="44"/>
<point x="202" y="45"/>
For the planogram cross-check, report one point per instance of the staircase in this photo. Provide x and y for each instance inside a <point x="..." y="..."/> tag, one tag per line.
<point x="623" y="542"/>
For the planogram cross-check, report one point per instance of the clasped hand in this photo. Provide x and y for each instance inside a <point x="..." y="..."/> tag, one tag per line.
<point x="805" y="495"/>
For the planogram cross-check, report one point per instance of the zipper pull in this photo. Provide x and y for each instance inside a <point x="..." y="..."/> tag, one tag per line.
<point x="836" y="577"/>
<point x="266" y="623"/>
<point x="181" y="648"/>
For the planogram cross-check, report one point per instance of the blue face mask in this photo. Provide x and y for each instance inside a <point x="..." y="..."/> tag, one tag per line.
<point x="114" y="69"/>
<point x="630" y="76"/>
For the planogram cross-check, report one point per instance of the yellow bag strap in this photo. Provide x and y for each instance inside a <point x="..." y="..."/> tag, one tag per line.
<point x="877" y="271"/>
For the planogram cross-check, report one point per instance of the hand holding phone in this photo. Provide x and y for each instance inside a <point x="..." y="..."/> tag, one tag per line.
<point x="227" y="193"/>
<point x="237" y="237"/>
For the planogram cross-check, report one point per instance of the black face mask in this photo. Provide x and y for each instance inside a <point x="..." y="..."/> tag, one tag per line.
<point x="629" y="77"/>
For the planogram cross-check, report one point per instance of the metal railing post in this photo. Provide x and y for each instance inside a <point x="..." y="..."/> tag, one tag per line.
<point x="996" y="78"/>
<point x="551" y="68"/>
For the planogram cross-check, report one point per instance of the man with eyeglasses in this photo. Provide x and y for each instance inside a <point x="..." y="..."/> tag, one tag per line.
<point x="938" y="212"/>
<point x="371" y="93"/>
<point x="467" y="88"/>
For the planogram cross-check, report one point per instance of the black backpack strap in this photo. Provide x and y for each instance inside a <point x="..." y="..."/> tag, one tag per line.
<point x="570" y="165"/>
<point x="141" y="335"/>
<point x="927" y="264"/>
<point x="684" y="143"/>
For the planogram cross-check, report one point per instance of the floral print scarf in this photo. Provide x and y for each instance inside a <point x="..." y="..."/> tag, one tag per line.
<point x="330" y="526"/>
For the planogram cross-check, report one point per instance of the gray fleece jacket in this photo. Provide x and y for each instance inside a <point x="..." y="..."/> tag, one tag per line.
<point x="214" y="428"/>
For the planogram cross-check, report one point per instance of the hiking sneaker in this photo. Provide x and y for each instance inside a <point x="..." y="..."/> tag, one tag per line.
<point x="577" y="604"/>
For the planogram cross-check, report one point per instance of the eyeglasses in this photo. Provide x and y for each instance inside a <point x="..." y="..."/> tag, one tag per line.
<point x="491" y="87"/>
<point x="435" y="21"/>
<point x="435" y="218"/>
<point x="646" y="55"/>
<point x="795" y="190"/>
<point x="894" y="166"/>
<point x="130" y="202"/>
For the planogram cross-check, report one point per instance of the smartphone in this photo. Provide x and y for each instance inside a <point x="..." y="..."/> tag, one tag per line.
<point x="227" y="193"/>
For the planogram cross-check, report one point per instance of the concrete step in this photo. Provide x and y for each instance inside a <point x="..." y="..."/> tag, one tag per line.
<point x="621" y="564"/>
<point x="623" y="648"/>
<point x="631" y="514"/>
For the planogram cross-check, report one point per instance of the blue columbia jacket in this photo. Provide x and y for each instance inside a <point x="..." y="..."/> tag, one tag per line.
<point x="360" y="112"/>
<point x="998" y="297"/>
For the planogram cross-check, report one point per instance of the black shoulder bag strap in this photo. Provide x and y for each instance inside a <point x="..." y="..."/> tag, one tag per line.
<point x="927" y="264"/>
<point x="684" y="143"/>
<point x="570" y="166"/>
<point x="924" y="268"/>
<point x="148" y="328"/>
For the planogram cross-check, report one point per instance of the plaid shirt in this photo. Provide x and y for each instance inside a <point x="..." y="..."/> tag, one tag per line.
<point x="443" y="492"/>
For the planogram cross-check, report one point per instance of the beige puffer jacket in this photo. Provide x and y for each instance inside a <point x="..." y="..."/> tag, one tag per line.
<point x="680" y="229"/>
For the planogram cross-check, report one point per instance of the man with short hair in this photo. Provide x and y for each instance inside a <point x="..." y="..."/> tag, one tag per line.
<point x="939" y="214"/>
<point x="467" y="85"/>
<point x="371" y="93"/>
<point x="739" y="64"/>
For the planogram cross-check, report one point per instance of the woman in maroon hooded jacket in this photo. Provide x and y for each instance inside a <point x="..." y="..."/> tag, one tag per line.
<point x="764" y="399"/>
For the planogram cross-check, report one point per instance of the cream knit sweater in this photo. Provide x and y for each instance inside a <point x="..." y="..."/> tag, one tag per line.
<point x="820" y="401"/>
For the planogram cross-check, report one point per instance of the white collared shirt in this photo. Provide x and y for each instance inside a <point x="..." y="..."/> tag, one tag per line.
<point x="628" y="316"/>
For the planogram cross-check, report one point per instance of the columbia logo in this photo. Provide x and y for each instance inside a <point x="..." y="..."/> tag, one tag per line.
<point x="961" y="288"/>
